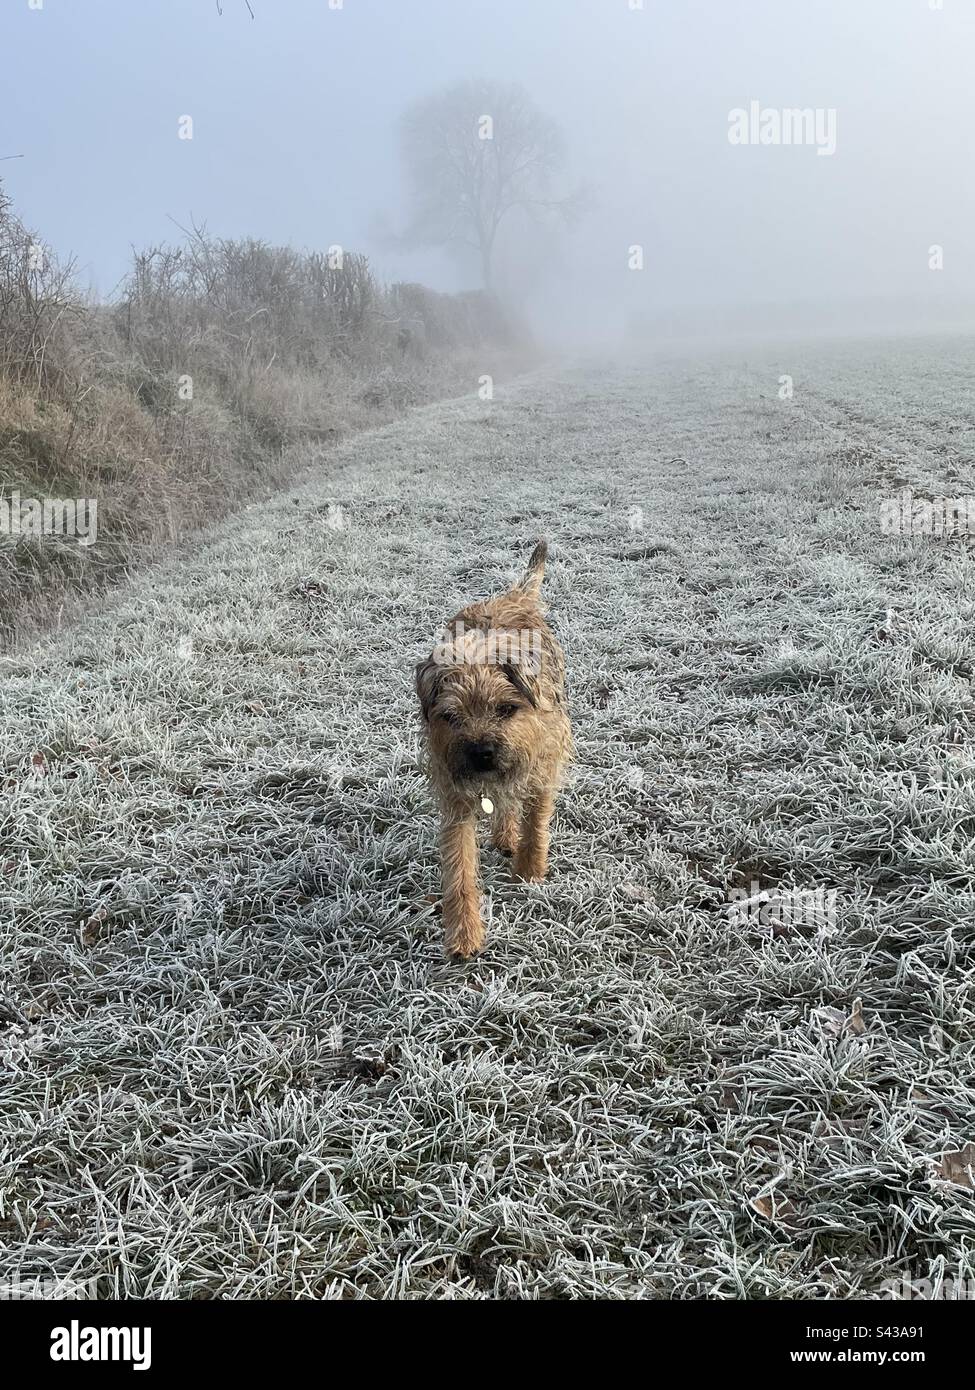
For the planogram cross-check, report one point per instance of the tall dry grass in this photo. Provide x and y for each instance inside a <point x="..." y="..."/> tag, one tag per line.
<point x="218" y="365"/>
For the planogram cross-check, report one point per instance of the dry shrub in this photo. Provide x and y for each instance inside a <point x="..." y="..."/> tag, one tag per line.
<point x="191" y="391"/>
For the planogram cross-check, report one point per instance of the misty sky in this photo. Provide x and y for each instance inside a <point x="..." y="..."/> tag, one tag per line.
<point x="295" y="141"/>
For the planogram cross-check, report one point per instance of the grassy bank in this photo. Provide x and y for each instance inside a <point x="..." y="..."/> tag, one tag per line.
<point x="219" y="369"/>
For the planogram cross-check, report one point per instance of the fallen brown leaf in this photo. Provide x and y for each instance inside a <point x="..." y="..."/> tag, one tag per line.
<point x="773" y="1207"/>
<point x="855" y="1023"/>
<point x="92" y="928"/>
<point x="835" y="1022"/>
<point x="957" y="1167"/>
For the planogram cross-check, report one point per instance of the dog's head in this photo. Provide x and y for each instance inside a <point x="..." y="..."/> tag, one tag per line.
<point x="482" y="708"/>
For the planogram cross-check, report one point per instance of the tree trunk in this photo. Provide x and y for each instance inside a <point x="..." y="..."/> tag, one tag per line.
<point x="486" y="265"/>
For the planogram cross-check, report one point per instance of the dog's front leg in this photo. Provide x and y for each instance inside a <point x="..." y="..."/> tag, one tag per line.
<point x="506" y="834"/>
<point x="463" y="928"/>
<point x="531" y="861"/>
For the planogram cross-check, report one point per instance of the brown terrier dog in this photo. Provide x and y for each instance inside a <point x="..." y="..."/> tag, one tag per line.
<point x="498" y="736"/>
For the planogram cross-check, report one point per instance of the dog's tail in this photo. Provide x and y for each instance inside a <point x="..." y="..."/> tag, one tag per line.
<point x="531" y="581"/>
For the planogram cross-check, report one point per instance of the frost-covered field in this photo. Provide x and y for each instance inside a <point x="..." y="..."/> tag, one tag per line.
<point x="234" y="1060"/>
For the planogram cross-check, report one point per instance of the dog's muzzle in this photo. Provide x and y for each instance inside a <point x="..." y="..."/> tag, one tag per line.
<point x="478" y="758"/>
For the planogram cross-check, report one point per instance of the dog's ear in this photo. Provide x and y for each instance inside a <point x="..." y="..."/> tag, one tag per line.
<point x="427" y="676"/>
<point x="523" y="682"/>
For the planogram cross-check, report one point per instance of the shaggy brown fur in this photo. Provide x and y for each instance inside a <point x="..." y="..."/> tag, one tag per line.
<point x="495" y="712"/>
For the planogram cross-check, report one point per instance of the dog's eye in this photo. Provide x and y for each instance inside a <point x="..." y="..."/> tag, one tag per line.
<point x="448" y="716"/>
<point x="506" y="711"/>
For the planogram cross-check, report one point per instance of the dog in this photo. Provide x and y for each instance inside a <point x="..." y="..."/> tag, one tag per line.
<point x="493" y="703"/>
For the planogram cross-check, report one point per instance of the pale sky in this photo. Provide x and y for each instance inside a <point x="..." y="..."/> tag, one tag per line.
<point x="295" y="116"/>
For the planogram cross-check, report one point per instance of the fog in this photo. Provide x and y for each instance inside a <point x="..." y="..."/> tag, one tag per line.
<point x="295" y="140"/>
<point x="476" y="761"/>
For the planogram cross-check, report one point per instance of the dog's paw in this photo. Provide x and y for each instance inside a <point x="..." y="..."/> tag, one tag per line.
<point x="529" y="869"/>
<point x="466" y="948"/>
<point x="506" y="838"/>
<point x="465" y="939"/>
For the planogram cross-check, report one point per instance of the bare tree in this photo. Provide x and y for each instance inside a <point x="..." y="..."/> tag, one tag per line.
<point x="38" y="303"/>
<point x="475" y="152"/>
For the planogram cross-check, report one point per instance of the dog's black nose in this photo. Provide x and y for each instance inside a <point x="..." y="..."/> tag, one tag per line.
<point x="479" y="757"/>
